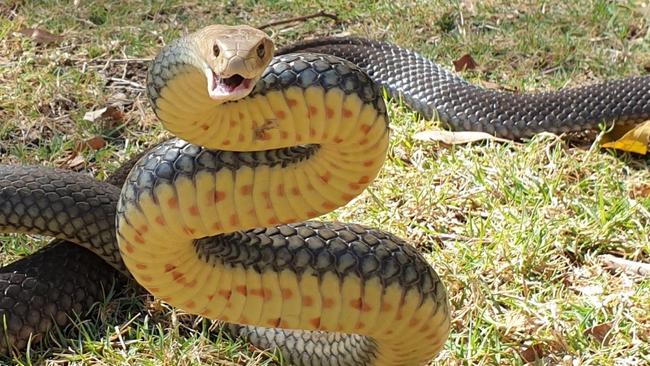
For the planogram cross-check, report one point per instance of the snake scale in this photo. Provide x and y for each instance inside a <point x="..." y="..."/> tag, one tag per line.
<point x="213" y="221"/>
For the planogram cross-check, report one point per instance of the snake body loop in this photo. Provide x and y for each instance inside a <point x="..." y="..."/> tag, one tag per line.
<point x="212" y="221"/>
<point x="309" y="138"/>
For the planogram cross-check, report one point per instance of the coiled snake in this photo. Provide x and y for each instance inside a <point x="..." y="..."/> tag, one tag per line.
<point x="212" y="221"/>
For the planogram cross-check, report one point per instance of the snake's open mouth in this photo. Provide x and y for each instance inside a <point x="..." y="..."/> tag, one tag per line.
<point x="228" y="88"/>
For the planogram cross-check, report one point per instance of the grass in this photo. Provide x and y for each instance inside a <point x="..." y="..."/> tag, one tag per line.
<point x="514" y="230"/>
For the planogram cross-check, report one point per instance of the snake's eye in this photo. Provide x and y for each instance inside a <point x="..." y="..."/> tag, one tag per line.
<point x="216" y="50"/>
<point x="261" y="50"/>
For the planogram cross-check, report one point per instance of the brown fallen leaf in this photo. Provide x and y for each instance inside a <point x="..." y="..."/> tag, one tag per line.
<point x="601" y="333"/>
<point x="41" y="36"/>
<point x="95" y="143"/>
<point x="632" y="138"/>
<point x="110" y="116"/>
<point x="456" y="137"/>
<point x="465" y="62"/>
<point x="639" y="190"/>
<point x="532" y="353"/>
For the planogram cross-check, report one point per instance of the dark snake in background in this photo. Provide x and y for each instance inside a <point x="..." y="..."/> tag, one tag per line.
<point x="62" y="279"/>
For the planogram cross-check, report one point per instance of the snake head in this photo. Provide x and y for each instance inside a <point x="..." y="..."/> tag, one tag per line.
<point x="234" y="59"/>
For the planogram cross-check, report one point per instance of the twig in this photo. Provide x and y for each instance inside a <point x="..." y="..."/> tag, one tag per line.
<point x="642" y="269"/>
<point x="321" y="13"/>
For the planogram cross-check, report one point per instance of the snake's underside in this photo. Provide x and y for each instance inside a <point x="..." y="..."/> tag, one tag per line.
<point x="221" y="233"/>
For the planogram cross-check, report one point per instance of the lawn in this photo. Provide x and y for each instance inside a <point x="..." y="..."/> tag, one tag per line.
<point x="515" y="230"/>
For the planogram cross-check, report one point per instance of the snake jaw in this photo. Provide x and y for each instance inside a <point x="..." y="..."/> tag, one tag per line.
<point x="223" y="89"/>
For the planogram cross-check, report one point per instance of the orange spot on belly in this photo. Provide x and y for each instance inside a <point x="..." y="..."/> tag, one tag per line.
<point x="129" y="248"/>
<point x="286" y="293"/>
<point x="241" y="289"/>
<point x="234" y="220"/>
<point x="284" y="134"/>
<point x="194" y="211"/>
<point x="245" y="189"/>
<point x="364" y="128"/>
<point x="295" y="191"/>
<point x="338" y="140"/>
<point x="363" y="180"/>
<point x="312" y="132"/>
<point x="169" y="267"/>
<point x="140" y="266"/>
<point x="292" y="102"/>
<point x="312" y="111"/>
<point x="210" y="297"/>
<point x="233" y="123"/>
<point x="226" y="142"/>
<point x="363" y="142"/>
<point x="280" y="190"/>
<point x="189" y="304"/>
<point x="216" y="196"/>
<point x="177" y="276"/>
<point x="315" y="322"/>
<point x="346" y="113"/>
<point x="329" y="112"/>
<point x="368" y="163"/>
<point x="414" y="322"/>
<point x="172" y="203"/>
<point x="189" y="230"/>
<point x="273" y="221"/>
<point x="205" y="127"/>
<point x="280" y="114"/>
<point x="264" y="293"/>
<point x="139" y="239"/>
<point x="307" y="301"/>
<point x="143" y="229"/>
<point x="312" y="213"/>
<point x="347" y="197"/>
<point x="160" y="220"/>
<point x="326" y="177"/>
<point x="354" y="186"/>
<point x="328" y="205"/>
<point x="386" y="306"/>
<point x="217" y="226"/>
<point x="146" y="278"/>
<point x="225" y="294"/>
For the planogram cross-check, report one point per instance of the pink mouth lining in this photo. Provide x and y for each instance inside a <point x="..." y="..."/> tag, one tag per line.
<point x="225" y="86"/>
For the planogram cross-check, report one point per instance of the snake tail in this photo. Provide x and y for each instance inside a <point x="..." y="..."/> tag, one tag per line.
<point x="435" y="92"/>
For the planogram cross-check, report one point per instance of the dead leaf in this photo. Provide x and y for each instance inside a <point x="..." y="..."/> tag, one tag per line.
<point x="601" y="333"/>
<point x="639" y="190"/>
<point x="110" y="116"/>
<point x="532" y="353"/>
<point x="41" y="36"/>
<point x="74" y="162"/>
<point x="456" y="137"/>
<point x="95" y="143"/>
<point x="465" y="62"/>
<point x="632" y="138"/>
